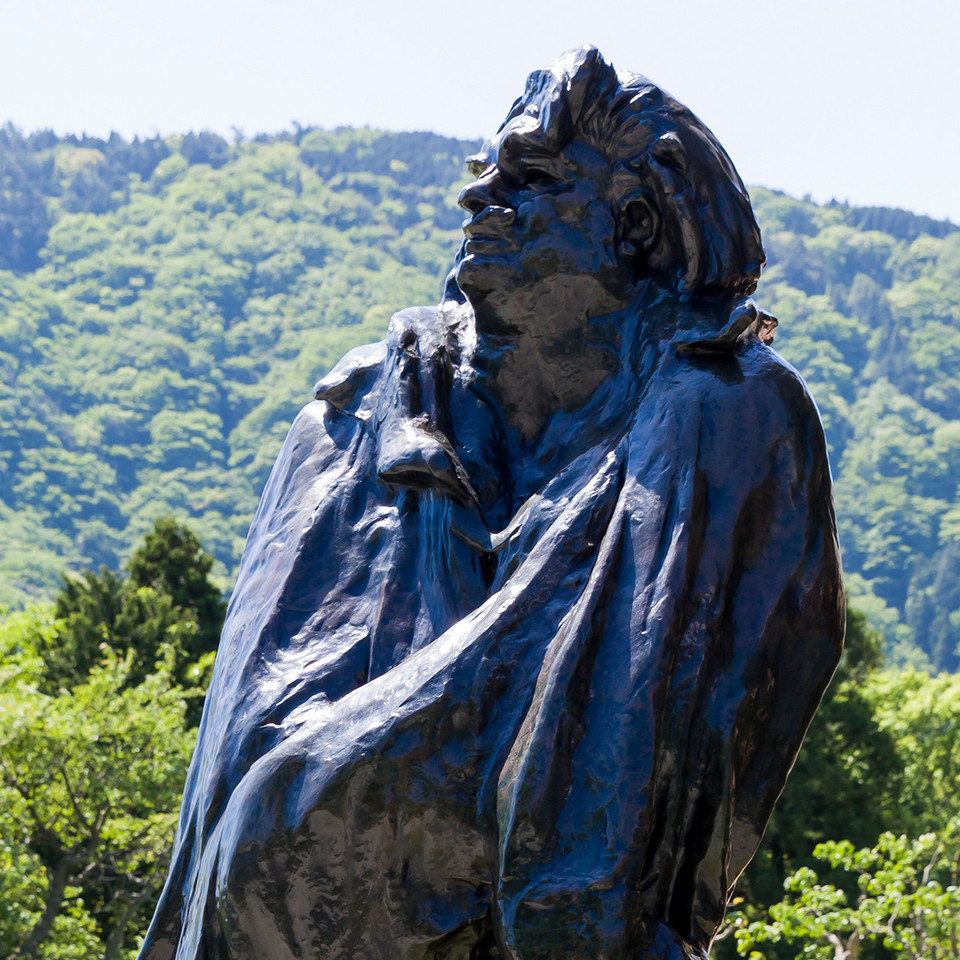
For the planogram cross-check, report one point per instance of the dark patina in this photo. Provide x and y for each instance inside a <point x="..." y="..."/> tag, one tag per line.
<point x="543" y="590"/>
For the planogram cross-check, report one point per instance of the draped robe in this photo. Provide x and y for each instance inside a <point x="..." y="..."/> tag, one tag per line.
<point x="436" y="731"/>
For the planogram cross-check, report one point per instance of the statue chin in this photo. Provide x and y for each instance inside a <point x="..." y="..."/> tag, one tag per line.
<point x="540" y="596"/>
<point x="485" y="280"/>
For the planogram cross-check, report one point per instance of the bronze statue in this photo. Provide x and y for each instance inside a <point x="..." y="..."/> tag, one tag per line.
<point x="543" y="590"/>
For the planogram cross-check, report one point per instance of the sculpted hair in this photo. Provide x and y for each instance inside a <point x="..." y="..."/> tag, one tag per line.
<point x="704" y="238"/>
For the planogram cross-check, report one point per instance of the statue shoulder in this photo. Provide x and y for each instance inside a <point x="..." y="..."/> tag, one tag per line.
<point x="753" y="374"/>
<point x="743" y="409"/>
<point x="772" y="376"/>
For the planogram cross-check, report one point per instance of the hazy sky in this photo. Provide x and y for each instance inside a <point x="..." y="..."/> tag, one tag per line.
<point x="853" y="99"/>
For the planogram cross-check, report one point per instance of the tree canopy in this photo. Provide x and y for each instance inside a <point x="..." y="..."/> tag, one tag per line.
<point x="99" y="697"/>
<point x="167" y="304"/>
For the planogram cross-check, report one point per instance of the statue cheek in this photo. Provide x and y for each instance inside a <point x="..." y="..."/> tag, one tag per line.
<point x="541" y="215"/>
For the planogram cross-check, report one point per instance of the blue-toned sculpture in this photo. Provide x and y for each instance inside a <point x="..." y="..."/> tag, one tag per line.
<point x="543" y="590"/>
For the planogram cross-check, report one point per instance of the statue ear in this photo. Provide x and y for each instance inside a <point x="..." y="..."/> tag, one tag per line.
<point x="639" y="231"/>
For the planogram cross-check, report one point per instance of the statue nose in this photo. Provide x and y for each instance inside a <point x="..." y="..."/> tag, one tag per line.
<point x="479" y="194"/>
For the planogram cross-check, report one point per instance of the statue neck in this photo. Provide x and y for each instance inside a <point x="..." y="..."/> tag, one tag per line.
<point x="555" y="388"/>
<point x="559" y="387"/>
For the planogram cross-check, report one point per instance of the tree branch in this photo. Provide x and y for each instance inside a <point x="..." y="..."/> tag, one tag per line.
<point x="57" y="878"/>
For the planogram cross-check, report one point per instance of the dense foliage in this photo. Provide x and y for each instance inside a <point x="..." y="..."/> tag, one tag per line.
<point x="98" y="699"/>
<point x="906" y="903"/>
<point x="96" y="728"/>
<point x="165" y="306"/>
<point x="872" y="320"/>
<point x="153" y="360"/>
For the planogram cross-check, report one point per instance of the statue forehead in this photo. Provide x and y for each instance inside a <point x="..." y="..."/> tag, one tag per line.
<point x="533" y="126"/>
<point x="539" y="121"/>
<point x="541" y="118"/>
<point x="513" y="141"/>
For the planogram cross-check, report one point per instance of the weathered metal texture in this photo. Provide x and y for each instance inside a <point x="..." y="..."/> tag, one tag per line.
<point x="543" y="590"/>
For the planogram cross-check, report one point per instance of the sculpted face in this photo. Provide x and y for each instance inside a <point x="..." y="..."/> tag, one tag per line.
<point x="541" y="235"/>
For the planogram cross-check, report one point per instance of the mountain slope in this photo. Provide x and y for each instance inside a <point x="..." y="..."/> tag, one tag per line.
<point x="166" y="305"/>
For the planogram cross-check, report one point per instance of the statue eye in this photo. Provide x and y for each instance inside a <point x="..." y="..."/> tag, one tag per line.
<point x="535" y="175"/>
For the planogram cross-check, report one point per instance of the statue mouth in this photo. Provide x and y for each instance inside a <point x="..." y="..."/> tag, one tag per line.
<point x="492" y="223"/>
<point x="490" y="246"/>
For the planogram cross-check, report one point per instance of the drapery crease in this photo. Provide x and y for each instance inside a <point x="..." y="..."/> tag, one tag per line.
<point x="427" y="739"/>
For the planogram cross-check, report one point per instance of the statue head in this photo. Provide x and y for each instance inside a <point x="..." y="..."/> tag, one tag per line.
<point x="595" y="182"/>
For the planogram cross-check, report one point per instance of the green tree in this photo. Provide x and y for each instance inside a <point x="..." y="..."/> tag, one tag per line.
<point x="907" y="899"/>
<point x="167" y="605"/>
<point x="172" y="561"/>
<point x="883" y="754"/>
<point x="922" y="715"/>
<point x="97" y="698"/>
<point x="90" y="781"/>
<point x="165" y="306"/>
<point x="24" y="219"/>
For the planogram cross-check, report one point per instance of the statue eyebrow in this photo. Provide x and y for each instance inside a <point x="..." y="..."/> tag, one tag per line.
<point x="519" y="154"/>
<point x="541" y="163"/>
<point x="515" y="146"/>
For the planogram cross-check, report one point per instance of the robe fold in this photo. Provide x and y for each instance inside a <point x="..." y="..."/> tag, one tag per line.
<point x="556" y="738"/>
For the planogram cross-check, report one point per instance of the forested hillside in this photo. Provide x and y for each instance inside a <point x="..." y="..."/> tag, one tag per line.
<point x="165" y="308"/>
<point x="869" y="301"/>
<point x="166" y="305"/>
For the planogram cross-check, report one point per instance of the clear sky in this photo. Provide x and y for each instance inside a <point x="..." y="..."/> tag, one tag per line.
<point x="853" y="99"/>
